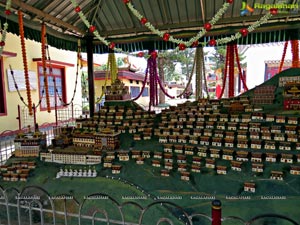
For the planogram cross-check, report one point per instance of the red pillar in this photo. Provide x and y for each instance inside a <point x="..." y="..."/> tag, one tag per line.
<point x="216" y="212"/>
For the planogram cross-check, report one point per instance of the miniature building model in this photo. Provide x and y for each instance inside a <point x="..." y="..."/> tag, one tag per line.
<point x="276" y="175"/>
<point x="271" y="157"/>
<point x="185" y="176"/>
<point x="249" y="187"/>
<point x="236" y="166"/>
<point x="117" y="91"/>
<point x="71" y="156"/>
<point x="123" y="155"/>
<point x="116" y="169"/>
<point x="107" y="163"/>
<point x="227" y="154"/>
<point x="295" y="170"/>
<point x="242" y="156"/>
<point x="85" y="139"/>
<point x="30" y="144"/>
<point x="107" y="139"/>
<point x="156" y="163"/>
<point x="165" y="173"/>
<point x="258" y="168"/>
<point x="210" y="163"/>
<point x="18" y="171"/>
<point x="221" y="170"/>
<point x="286" y="158"/>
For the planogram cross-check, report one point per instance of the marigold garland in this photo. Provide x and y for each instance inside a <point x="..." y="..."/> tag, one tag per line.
<point x="26" y="75"/>
<point x="43" y="40"/>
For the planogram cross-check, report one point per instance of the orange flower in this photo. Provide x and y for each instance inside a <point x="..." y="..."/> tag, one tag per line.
<point x="26" y="75"/>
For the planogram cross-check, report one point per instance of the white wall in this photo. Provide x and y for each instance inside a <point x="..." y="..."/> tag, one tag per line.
<point x="256" y="56"/>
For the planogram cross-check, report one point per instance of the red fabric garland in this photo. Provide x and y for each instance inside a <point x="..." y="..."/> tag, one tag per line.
<point x="283" y="56"/>
<point x="295" y="53"/>
<point x="143" y="87"/>
<point x="225" y="74"/>
<point x="239" y="67"/>
<point x="231" y="72"/>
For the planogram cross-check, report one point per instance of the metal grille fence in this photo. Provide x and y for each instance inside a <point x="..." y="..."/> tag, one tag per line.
<point x="34" y="205"/>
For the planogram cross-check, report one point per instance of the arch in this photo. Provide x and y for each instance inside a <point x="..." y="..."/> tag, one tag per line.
<point x="100" y="211"/>
<point x="96" y="196"/>
<point x="164" y="220"/>
<point x="41" y="211"/>
<point x="251" y="221"/>
<point x="19" y="197"/>
<point x="234" y="218"/>
<point x="167" y="203"/>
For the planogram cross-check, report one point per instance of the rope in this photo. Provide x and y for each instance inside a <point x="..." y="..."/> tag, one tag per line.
<point x="76" y="79"/>
<point x="190" y="78"/>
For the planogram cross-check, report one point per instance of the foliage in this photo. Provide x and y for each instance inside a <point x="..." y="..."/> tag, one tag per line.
<point x="84" y="85"/>
<point x="219" y="58"/>
<point x="184" y="58"/>
<point x="120" y="63"/>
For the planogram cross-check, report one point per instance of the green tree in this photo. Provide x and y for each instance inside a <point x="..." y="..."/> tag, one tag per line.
<point x="171" y="59"/>
<point x="219" y="57"/>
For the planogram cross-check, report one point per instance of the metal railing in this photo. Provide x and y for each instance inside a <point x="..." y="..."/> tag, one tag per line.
<point x="34" y="205"/>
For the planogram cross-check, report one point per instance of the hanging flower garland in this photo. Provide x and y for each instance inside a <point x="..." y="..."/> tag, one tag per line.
<point x="283" y="56"/>
<point x="225" y="73"/>
<point x="143" y="87"/>
<point x="242" y="32"/>
<point x="239" y="66"/>
<point x="295" y="53"/>
<point x="26" y="75"/>
<point x="43" y="45"/>
<point x="167" y="37"/>
<point x="190" y="77"/>
<point x="112" y="69"/>
<point x="5" y="26"/>
<point x="231" y="71"/>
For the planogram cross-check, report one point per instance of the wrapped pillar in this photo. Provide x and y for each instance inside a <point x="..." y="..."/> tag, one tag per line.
<point x="216" y="212"/>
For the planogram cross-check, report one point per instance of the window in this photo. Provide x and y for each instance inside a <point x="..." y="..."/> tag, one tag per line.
<point x="134" y="91"/>
<point x="145" y="92"/>
<point x="57" y="74"/>
<point x="2" y="91"/>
